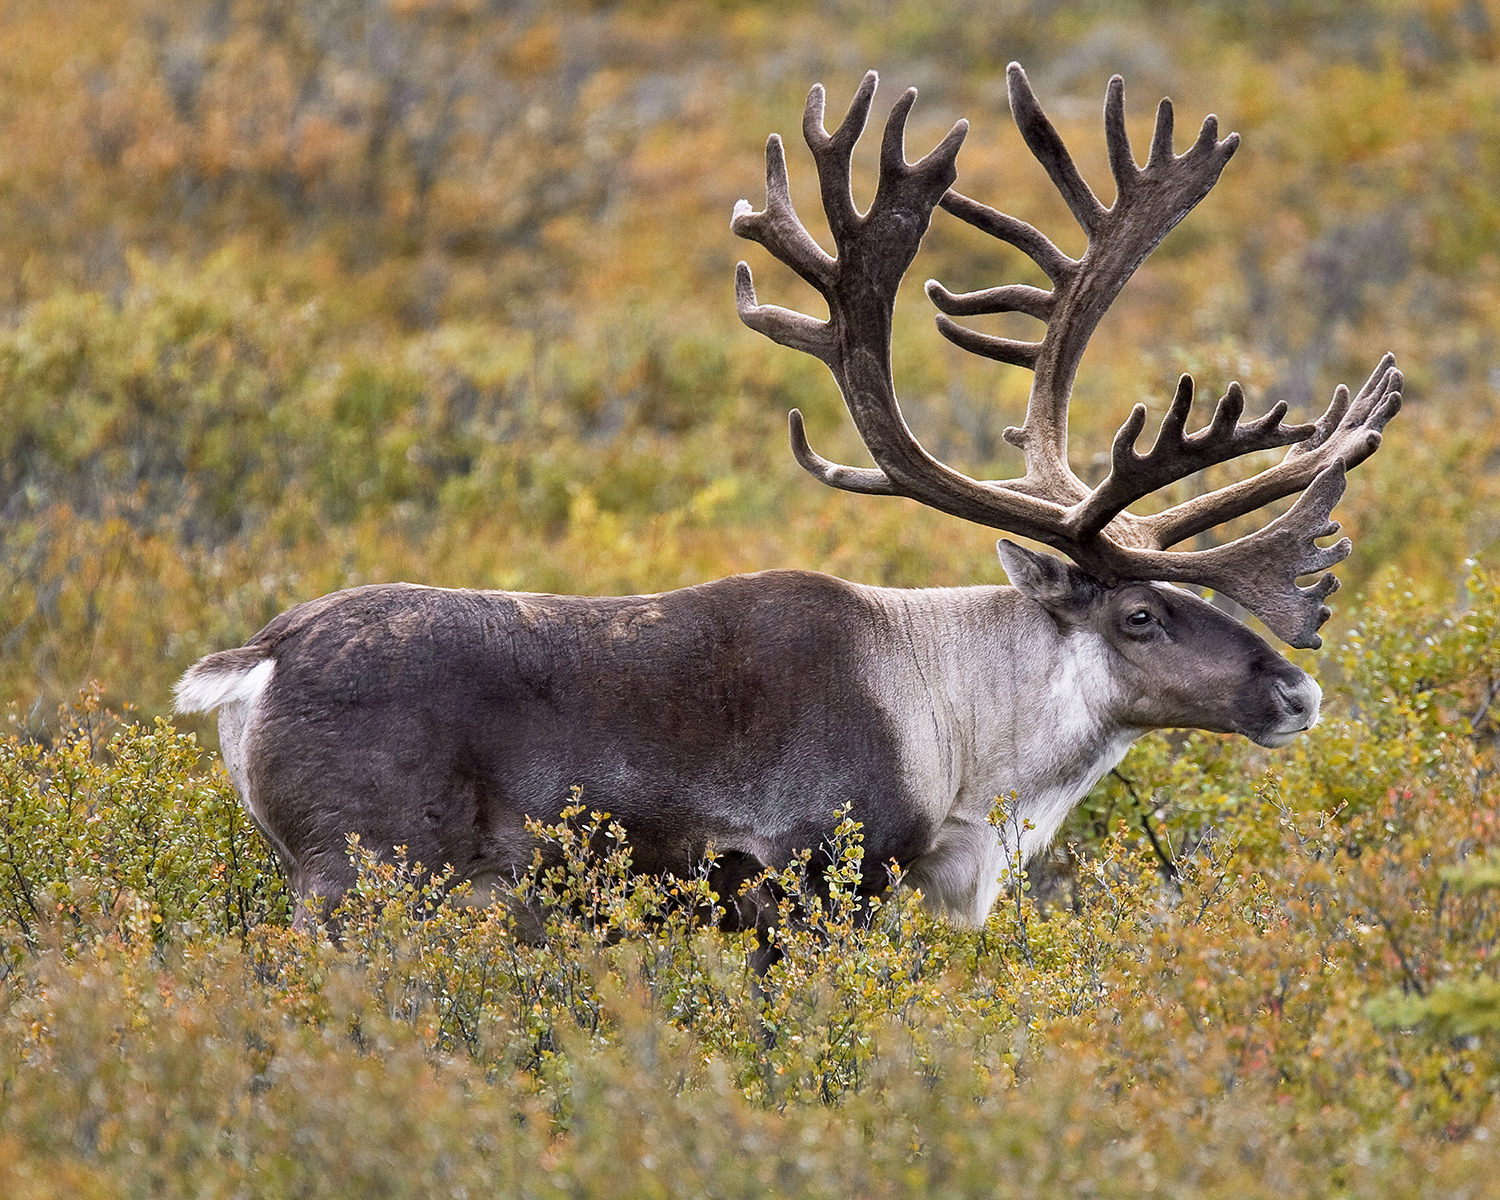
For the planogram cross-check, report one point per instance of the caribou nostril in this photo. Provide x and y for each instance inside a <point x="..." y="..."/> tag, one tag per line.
<point x="1293" y="699"/>
<point x="1301" y="703"/>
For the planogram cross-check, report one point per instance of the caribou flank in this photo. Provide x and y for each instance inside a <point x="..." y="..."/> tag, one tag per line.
<point x="742" y="715"/>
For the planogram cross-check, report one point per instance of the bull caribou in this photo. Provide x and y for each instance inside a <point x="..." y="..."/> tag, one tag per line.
<point x="741" y="716"/>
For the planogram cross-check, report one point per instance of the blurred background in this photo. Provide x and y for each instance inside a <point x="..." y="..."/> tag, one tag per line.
<point x="300" y="296"/>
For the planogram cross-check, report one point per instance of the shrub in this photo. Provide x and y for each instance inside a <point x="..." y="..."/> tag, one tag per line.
<point x="114" y="830"/>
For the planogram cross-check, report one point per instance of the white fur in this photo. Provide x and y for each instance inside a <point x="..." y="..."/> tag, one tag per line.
<point x="203" y="690"/>
<point x="964" y="872"/>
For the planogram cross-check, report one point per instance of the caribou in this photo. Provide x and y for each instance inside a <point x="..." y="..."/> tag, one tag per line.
<point x="733" y="722"/>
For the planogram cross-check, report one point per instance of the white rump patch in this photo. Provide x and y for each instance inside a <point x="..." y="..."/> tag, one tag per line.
<point x="205" y="688"/>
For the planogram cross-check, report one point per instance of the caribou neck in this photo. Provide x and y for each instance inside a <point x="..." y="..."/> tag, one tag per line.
<point x="1007" y="703"/>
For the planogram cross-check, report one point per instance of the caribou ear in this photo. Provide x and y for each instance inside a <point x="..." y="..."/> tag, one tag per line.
<point x="1054" y="584"/>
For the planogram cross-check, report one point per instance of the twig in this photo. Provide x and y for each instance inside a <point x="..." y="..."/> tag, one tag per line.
<point x="1167" y="861"/>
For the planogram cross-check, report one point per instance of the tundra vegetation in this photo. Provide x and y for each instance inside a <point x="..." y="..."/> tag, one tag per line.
<point x="301" y="297"/>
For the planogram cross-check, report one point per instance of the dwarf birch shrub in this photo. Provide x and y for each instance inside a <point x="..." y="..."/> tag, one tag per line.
<point x="1209" y="1043"/>
<point x="110" y="819"/>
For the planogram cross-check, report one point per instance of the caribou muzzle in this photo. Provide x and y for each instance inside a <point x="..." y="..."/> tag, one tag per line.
<point x="1294" y="709"/>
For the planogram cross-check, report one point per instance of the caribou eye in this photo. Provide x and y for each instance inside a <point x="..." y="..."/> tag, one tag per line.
<point x="1139" y="619"/>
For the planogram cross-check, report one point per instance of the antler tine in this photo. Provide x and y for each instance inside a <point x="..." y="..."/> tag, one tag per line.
<point x="794" y="329"/>
<point x="1161" y="137"/>
<point x="1117" y="139"/>
<point x="1047" y="147"/>
<point x="1002" y="226"/>
<point x="778" y="228"/>
<point x="1009" y="297"/>
<point x="832" y="152"/>
<point x="865" y="480"/>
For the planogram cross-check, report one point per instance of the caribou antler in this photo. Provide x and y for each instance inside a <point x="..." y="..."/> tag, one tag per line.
<point x="1049" y="503"/>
